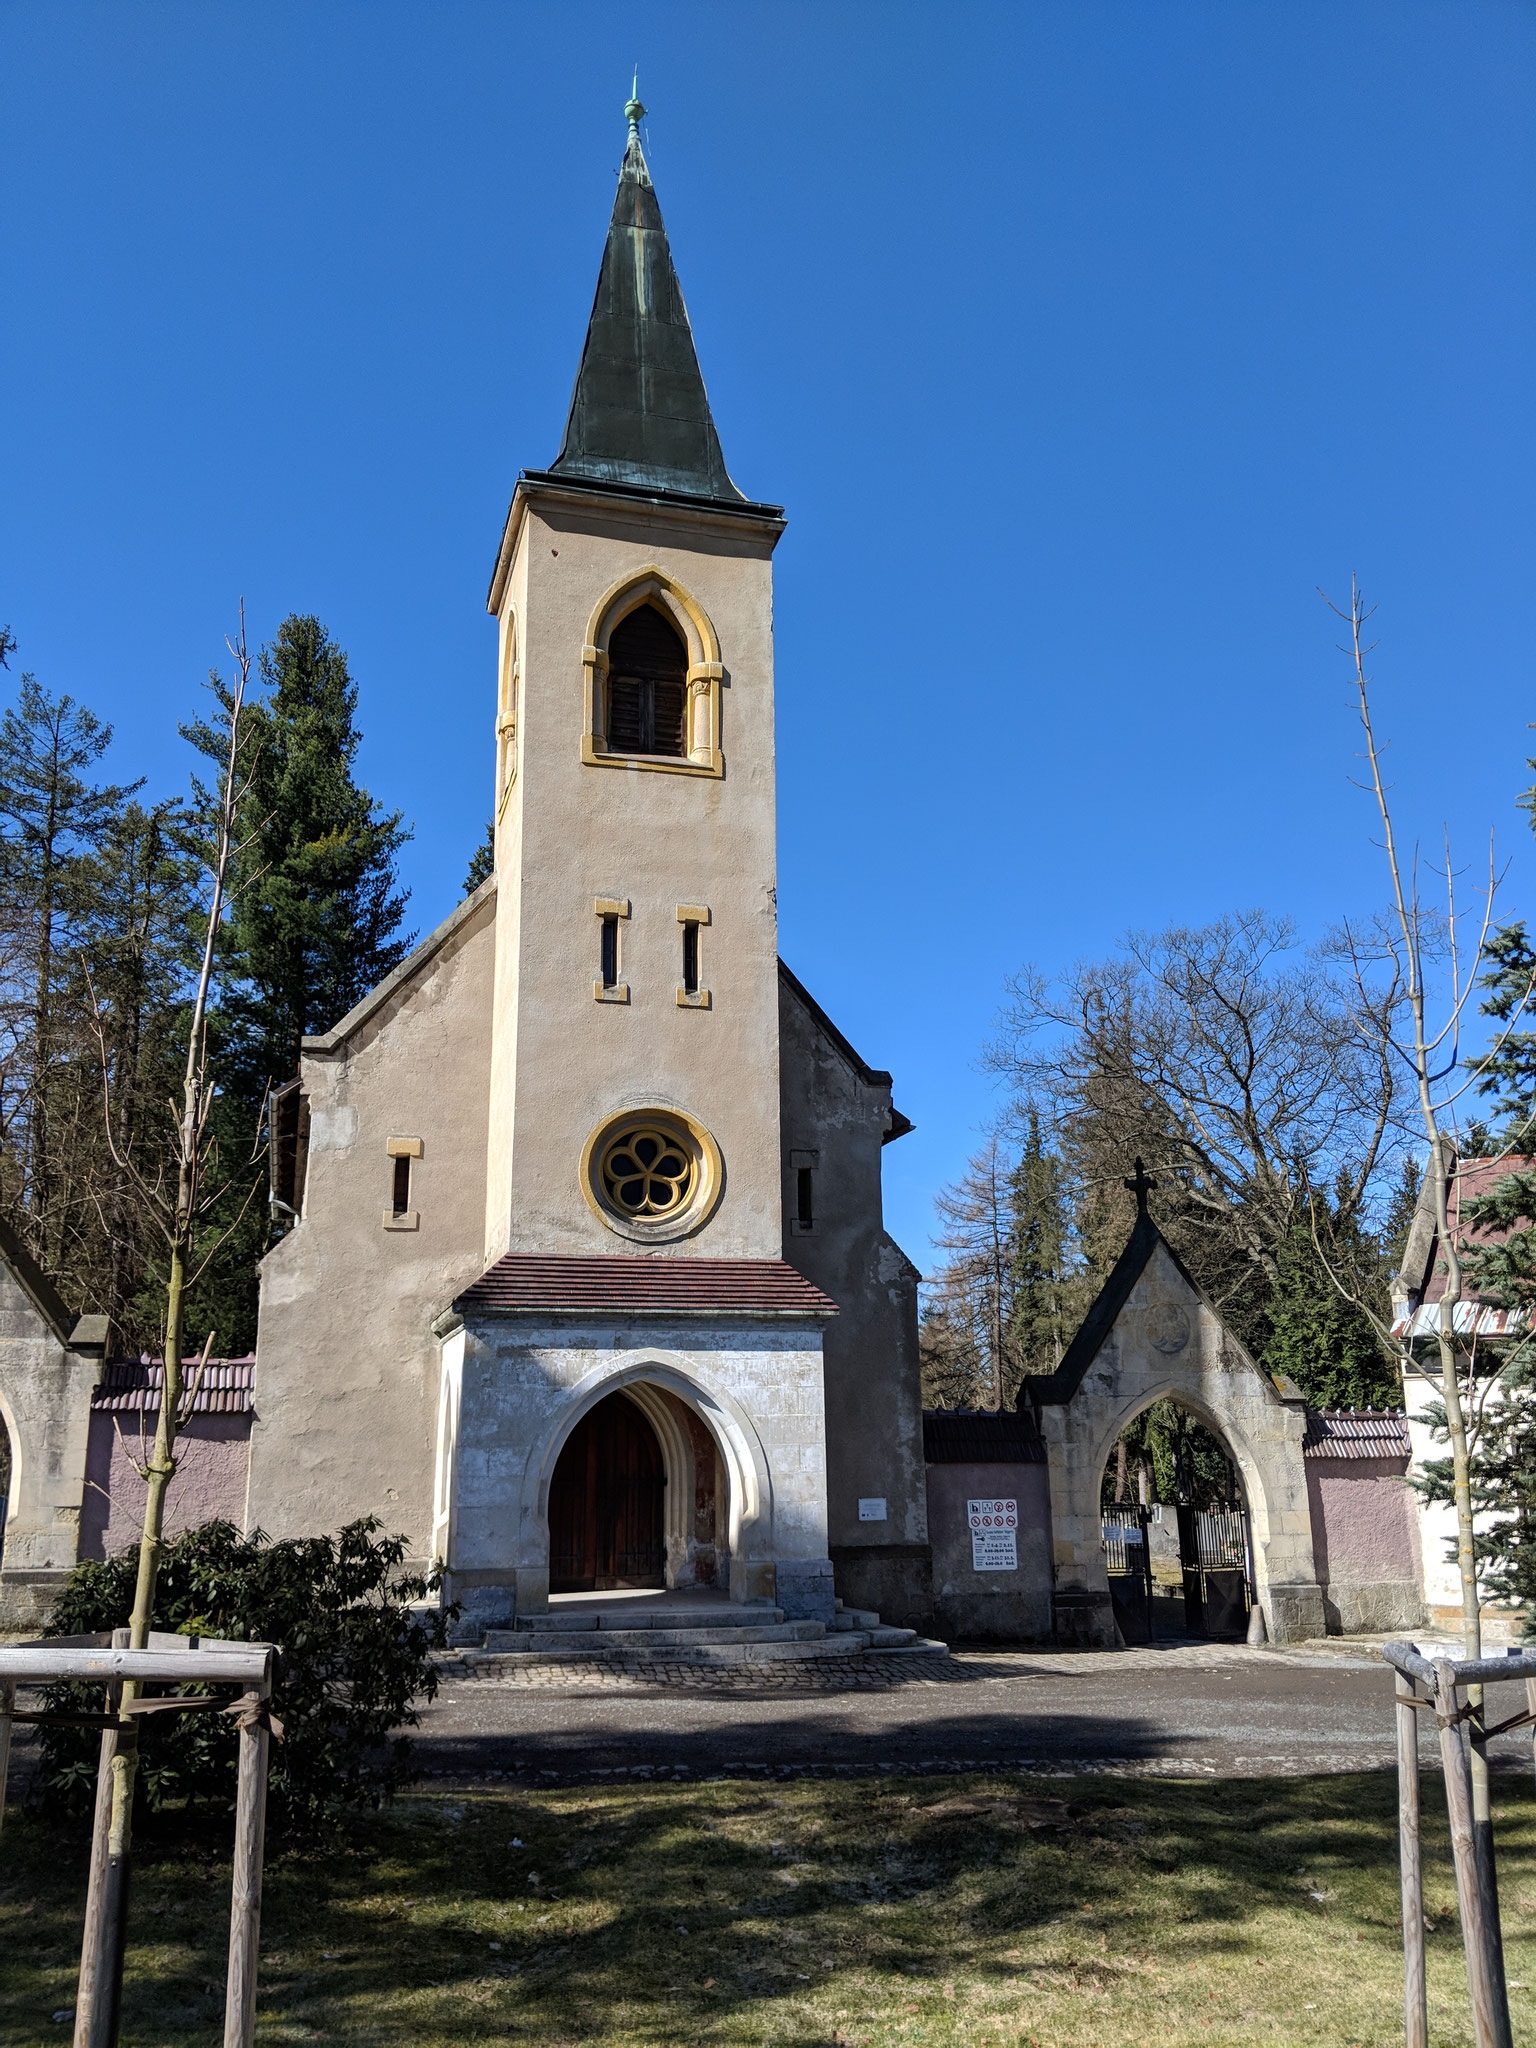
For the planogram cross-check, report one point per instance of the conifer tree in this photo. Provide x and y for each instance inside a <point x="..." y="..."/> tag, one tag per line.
<point x="1045" y="1276"/>
<point x="317" y="907"/>
<point x="53" y="815"/>
<point x="482" y="862"/>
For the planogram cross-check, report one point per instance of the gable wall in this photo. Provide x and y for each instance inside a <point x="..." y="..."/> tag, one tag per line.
<point x="347" y="1379"/>
<point x="874" y="1402"/>
<point x="45" y="1396"/>
<point x="1167" y="1340"/>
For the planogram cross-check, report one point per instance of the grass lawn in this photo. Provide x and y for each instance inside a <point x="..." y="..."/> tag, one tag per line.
<point x="1082" y="1913"/>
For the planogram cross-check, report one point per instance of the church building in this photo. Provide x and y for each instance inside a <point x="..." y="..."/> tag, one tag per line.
<point x="587" y="1284"/>
<point x="583" y="1283"/>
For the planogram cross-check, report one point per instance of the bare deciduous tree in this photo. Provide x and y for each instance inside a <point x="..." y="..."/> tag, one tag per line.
<point x="176" y="1200"/>
<point x="1235" y="1070"/>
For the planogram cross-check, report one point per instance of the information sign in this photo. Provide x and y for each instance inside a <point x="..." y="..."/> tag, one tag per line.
<point x="994" y="1535"/>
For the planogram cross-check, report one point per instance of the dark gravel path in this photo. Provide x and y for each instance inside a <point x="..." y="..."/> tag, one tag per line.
<point x="1195" y="1711"/>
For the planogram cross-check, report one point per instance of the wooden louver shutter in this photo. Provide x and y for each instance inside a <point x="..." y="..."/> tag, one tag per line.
<point x="647" y="686"/>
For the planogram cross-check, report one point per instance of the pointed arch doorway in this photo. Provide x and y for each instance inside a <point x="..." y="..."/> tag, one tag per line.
<point x="607" y="1503"/>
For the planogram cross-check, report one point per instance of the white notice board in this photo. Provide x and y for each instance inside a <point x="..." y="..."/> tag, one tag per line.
<point x="994" y="1535"/>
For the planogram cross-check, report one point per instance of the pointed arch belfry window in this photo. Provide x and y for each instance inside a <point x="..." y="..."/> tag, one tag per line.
<point x="506" y="718"/>
<point x="653" y="677"/>
<point x="647" y="685"/>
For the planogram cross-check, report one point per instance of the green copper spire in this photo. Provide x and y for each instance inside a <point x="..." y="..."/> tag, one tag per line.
<point x="634" y="113"/>
<point x="639" y="414"/>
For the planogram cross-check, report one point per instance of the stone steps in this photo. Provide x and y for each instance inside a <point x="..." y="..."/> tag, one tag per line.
<point x="611" y="1620"/>
<point x="716" y="1634"/>
<point x="649" y="1642"/>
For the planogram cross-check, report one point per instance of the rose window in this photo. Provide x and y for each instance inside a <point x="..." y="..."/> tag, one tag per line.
<point x="646" y="1172"/>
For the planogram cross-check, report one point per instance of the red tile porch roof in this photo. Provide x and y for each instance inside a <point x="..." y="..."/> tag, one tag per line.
<point x="529" y="1283"/>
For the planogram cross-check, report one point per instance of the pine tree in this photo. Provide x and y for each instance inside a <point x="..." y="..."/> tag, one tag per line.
<point x="138" y="902"/>
<point x="52" y="817"/>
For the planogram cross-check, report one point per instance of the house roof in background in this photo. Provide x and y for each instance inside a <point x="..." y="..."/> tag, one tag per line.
<point x="1422" y="1273"/>
<point x="131" y="1385"/>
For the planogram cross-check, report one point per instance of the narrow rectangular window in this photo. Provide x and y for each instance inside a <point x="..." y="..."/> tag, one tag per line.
<point x="402" y="1190"/>
<point x="804" y="1212"/>
<point x="610" y="953"/>
<point x="691" y="956"/>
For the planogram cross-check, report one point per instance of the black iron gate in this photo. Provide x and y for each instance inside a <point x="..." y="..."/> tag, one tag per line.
<point x="1128" y="1557"/>
<point x="1214" y="1557"/>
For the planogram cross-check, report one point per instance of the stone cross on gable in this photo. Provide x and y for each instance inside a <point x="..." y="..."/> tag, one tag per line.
<point x="1141" y="1186"/>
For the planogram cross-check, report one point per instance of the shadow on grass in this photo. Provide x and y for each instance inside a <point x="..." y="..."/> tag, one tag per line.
<point x="737" y="1911"/>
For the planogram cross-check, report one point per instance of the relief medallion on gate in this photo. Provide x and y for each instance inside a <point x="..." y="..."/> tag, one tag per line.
<point x="1167" y="1328"/>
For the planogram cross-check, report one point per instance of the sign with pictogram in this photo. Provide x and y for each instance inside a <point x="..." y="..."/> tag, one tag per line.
<point x="994" y="1535"/>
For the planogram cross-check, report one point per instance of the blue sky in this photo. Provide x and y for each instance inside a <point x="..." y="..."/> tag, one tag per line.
<point x="1080" y="342"/>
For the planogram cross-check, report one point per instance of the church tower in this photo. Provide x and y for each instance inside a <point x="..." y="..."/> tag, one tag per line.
<point x="635" y="1084"/>
<point x="634" y="1228"/>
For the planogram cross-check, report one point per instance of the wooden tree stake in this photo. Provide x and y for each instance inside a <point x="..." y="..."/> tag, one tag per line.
<point x="1415" y="1996"/>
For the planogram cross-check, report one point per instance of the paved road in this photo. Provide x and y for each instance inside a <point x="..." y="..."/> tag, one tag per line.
<point x="1197" y="1711"/>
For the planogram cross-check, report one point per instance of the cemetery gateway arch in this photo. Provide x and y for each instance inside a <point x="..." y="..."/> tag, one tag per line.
<point x="1152" y="1335"/>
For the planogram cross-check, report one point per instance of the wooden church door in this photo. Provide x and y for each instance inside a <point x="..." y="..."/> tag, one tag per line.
<point x="606" y="1504"/>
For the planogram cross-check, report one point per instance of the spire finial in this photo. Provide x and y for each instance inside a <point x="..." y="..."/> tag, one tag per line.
<point x="633" y="111"/>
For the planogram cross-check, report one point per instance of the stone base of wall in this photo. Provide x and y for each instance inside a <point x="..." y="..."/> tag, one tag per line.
<point x="893" y="1580"/>
<point x="803" y="1588"/>
<point x="1294" y="1613"/>
<point x="1017" y="1616"/>
<point x="27" y="1597"/>
<point x="482" y="1607"/>
<point x="1373" y="1608"/>
<point x="1084" y="1621"/>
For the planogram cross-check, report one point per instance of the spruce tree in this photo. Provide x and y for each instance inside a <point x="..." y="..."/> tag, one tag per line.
<point x="1046" y="1291"/>
<point x="314" y="923"/>
<point x="482" y="862"/>
<point x="317" y="908"/>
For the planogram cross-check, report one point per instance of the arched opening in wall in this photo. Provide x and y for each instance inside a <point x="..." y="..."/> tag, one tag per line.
<point x="607" y="1503"/>
<point x="639" y="1498"/>
<point x="1175" y="1528"/>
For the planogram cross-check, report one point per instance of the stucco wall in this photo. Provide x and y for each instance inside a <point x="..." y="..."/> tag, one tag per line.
<point x="212" y="1460"/>
<point x="349" y="1364"/>
<point x="45" y="1395"/>
<point x="1010" y="1606"/>
<point x="573" y="832"/>
<point x="836" y="1117"/>
<point x="1365" y="1538"/>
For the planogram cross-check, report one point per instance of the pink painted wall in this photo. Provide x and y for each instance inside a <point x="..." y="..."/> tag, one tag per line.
<point x="1364" y="1526"/>
<point x="213" y="1454"/>
<point x="1015" y="1605"/>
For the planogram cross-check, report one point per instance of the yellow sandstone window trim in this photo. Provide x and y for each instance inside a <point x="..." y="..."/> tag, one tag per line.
<point x="612" y="913"/>
<point x="705" y="675"/>
<point x="401" y="1153"/>
<point x="692" y="994"/>
<point x="506" y="718"/>
<point x="669" y="1204"/>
